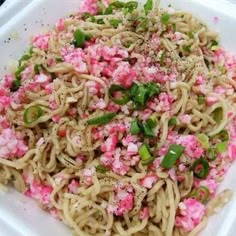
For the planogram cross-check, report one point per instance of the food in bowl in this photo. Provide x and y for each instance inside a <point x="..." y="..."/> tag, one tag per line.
<point x="121" y="120"/>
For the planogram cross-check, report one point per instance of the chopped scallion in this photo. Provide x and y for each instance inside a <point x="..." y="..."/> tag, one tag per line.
<point x="131" y="6"/>
<point x="201" y="99"/>
<point x="145" y="155"/>
<point x="165" y="17"/>
<point x="108" y="10"/>
<point x="58" y="59"/>
<point x="214" y="45"/>
<point x="221" y="147"/>
<point x="218" y="114"/>
<point x="153" y="89"/>
<point x="148" y="131"/>
<point x="135" y="127"/>
<point x="87" y="15"/>
<point x="203" y="140"/>
<point x="32" y="114"/>
<point x="117" y="4"/>
<point x="223" y="135"/>
<point x="186" y="48"/>
<point x="15" y="85"/>
<point x="101" y="120"/>
<point x="114" y="23"/>
<point x="79" y="38"/>
<point x="211" y="154"/>
<point x="200" y="168"/>
<point x="201" y="194"/>
<point x="18" y="72"/>
<point x="101" y="169"/>
<point x="172" y="155"/>
<point x="123" y="96"/>
<point x="152" y="121"/>
<point x="100" y="22"/>
<point x="148" y="6"/>
<point x="172" y="121"/>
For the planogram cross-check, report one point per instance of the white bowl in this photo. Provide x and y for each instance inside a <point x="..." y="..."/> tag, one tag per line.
<point x="20" y="215"/>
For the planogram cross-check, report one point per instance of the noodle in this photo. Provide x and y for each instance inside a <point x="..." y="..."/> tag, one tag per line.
<point x="121" y="123"/>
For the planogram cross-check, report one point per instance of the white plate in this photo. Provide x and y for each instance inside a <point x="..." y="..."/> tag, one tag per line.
<point x="20" y="215"/>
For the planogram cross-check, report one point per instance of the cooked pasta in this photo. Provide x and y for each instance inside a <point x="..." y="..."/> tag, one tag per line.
<point x="121" y="121"/>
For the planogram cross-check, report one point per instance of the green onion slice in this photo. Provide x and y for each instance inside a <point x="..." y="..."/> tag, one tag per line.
<point x="18" y="72"/>
<point x="108" y="10"/>
<point x="87" y="15"/>
<point x="58" y="59"/>
<point x="117" y="4"/>
<point x="26" y="56"/>
<point x="211" y="154"/>
<point x="114" y="23"/>
<point x="101" y="120"/>
<point x="172" y="121"/>
<point x="141" y="96"/>
<point x="148" y="132"/>
<point x="152" y="121"/>
<point x="165" y="18"/>
<point x="145" y="155"/>
<point x="153" y="89"/>
<point x="36" y="69"/>
<point x="133" y="89"/>
<point x="162" y="57"/>
<point x="131" y="6"/>
<point x="101" y="169"/>
<point x="201" y="99"/>
<point x="148" y="6"/>
<point x="200" y="168"/>
<point x="187" y="48"/>
<point x="201" y="194"/>
<point x="100" y="22"/>
<point x="214" y="45"/>
<point x="121" y="91"/>
<point x="218" y="114"/>
<point x="203" y="140"/>
<point x="191" y="34"/>
<point x="173" y="153"/>
<point x="15" y="85"/>
<point x="32" y="114"/>
<point x="221" y="147"/>
<point x="135" y="127"/>
<point x="223" y="135"/>
<point x="79" y="38"/>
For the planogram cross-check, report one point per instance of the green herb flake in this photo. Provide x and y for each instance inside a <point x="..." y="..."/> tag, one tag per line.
<point x="15" y="85"/>
<point x="191" y="34"/>
<point x="221" y="147"/>
<point x="187" y="48"/>
<point x="79" y="38"/>
<point x="100" y="22"/>
<point x="172" y="121"/>
<point x="108" y="10"/>
<point x="117" y="4"/>
<point x="148" y="6"/>
<point x="214" y="45"/>
<point x="127" y="44"/>
<point x="18" y="72"/>
<point x="87" y="15"/>
<point x="58" y="59"/>
<point x="131" y="6"/>
<point x="101" y="169"/>
<point x="201" y="99"/>
<point x="114" y="23"/>
<point x="36" y="69"/>
<point x="165" y="17"/>
<point x="218" y="114"/>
